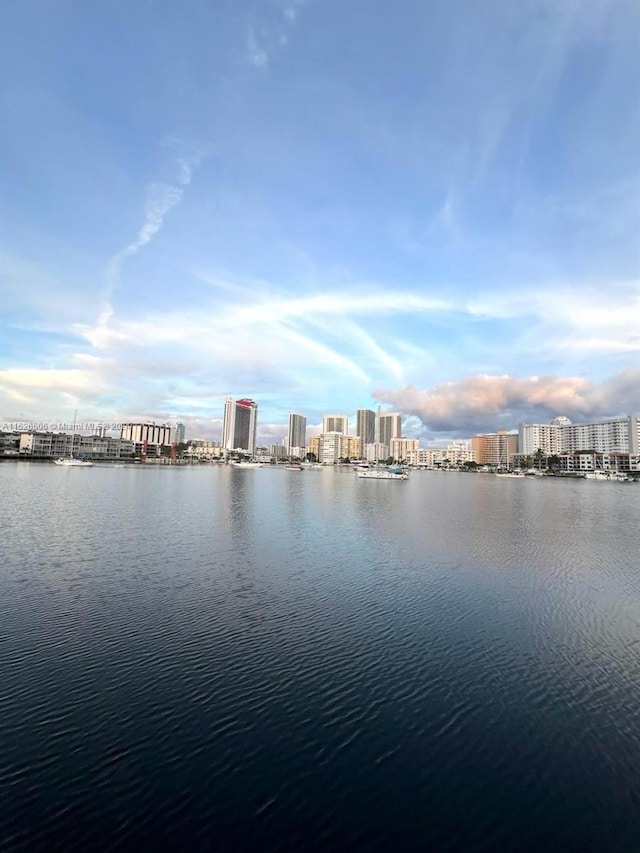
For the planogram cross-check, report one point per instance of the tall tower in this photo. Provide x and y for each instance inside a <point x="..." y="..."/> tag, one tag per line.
<point x="297" y="435"/>
<point x="390" y="426"/>
<point x="336" y="423"/>
<point x="366" y="427"/>
<point x="239" y="425"/>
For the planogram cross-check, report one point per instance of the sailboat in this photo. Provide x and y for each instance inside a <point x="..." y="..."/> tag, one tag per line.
<point x="504" y="461"/>
<point x="70" y="461"/>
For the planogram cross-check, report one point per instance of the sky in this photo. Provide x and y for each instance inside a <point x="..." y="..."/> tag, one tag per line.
<point x="423" y="205"/>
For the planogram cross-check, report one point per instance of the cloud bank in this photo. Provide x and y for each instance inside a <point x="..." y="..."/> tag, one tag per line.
<point x="485" y="403"/>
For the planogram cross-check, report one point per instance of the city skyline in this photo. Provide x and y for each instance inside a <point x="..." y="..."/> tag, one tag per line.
<point x="241" y="204"/>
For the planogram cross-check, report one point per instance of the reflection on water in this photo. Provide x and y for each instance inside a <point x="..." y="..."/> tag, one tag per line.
<point x="220" y="659"/>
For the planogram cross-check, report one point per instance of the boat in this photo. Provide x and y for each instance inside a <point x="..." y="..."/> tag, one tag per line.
<point x="247" y="464"/>
<point x="293" y="466"/>
<point x="382" y="474"/>
<point x="71" y="461"/>
<point x="397" y="469"/>
<point x="518" y="474"/>
<point x="611" y="476"/>
<point x="311" y="466"/>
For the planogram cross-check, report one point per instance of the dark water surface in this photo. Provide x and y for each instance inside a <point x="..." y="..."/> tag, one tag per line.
<point x="219" y="659"/>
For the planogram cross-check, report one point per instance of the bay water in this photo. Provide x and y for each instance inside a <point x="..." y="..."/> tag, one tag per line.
<point x="209" y="658"/>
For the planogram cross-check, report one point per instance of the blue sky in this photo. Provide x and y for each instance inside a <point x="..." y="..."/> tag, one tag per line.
<point x="323" y="205"/>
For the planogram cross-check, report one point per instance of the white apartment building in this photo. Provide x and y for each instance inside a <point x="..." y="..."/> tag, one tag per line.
<point x="618" y="435"/>
<point x="330" y="447"/>
<point x="53" y="445"/>
<point x="459" y="452"/>
<point x="428" y="457"/>
<point x="583" y="462"/>
<point x="376" y="452"/>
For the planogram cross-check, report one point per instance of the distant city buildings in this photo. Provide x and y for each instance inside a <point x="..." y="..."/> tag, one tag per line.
<point x="239" y="425"/>
<point x="612" y="444"/>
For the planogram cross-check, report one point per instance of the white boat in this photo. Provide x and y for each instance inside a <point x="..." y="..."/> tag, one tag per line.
<point x="611" y="476"/>
<point x="293" y="467"/>
<point x="70" y="461"/>
<point x="382" y="474"/>
<point x="518" y="474"/>
<point x="311" y="466"/>
<point x="247" y="464"/>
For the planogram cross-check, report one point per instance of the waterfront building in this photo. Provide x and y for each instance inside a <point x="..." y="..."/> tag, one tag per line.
<point x="584" y="461"/>
<point x="151" y="433"/>
<point x="366" y="426"/>
<point x="239" y="425"/>
<point x="429" y="457"/>
<point x="389" y="426"/>
<point x="330" y="447"/>
<point x="9" y="443"/>
<point x="616" y="435"/>
<point x="335" y="423"/>
<point x="401" y="448"/>
<point x="200" y="449"/>
<point x="495" y="448"/>
<point x="53" y="445"/>
<point x="297" y="435"/>
<point x="459" y="452"/>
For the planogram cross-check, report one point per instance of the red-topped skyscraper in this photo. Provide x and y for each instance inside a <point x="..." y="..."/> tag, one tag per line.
<point x="239" y="425"/>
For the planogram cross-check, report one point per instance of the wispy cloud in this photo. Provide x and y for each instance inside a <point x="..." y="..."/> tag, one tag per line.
<point x="256" y="55"/>
<point x="266" y="39"/>
<point x="161" y="198"/>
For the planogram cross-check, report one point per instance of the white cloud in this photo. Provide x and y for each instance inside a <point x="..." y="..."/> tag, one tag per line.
<point x="257" y="56"/>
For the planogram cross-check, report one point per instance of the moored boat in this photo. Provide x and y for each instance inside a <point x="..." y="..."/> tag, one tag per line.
<point x="382" y="474"/>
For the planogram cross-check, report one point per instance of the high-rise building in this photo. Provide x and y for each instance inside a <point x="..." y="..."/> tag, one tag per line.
<point x="495" y="448"/>
<point x="366" y="426"/>
<point x="389" y="426"/>
<point x="336" y="423"/>
<point x="239" y="425"/>
<point x="297" y="435"/>
<point x="178" y="433"/>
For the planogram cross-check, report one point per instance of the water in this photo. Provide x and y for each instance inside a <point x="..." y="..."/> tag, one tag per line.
<point x="217" y="659"/>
